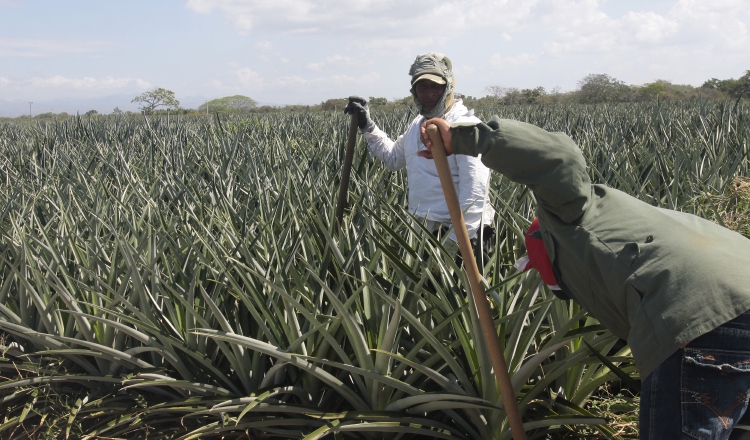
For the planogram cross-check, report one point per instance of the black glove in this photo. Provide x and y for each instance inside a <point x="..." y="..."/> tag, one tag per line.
<point x="358" y="106"/>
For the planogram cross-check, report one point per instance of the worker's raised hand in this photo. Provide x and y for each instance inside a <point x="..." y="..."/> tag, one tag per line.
<point x="445" y="132"/>
<point x="358" y="106"/>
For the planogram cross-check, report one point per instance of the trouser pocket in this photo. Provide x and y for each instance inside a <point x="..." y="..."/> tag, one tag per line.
<point x="714" y="391"/>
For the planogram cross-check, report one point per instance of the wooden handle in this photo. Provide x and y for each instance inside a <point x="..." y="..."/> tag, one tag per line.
<point x="477" y="288"/>
<point x="346" y="171"/>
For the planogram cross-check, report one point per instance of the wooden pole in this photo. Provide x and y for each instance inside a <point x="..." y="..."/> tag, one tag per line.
<point x="477" y="288"/>
<point x="347" y="170"/>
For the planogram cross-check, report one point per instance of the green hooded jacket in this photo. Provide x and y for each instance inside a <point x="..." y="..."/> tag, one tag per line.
<point x="655" y="277"/>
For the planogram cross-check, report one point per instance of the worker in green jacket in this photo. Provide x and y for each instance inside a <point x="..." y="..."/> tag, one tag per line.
<point x="675" y="286"/>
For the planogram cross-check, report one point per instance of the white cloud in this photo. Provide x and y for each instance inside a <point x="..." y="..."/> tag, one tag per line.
<point x="248" y="78"/>
<point x="687" y="42"/>
<point x="263" y="45"/>
<point x="57" y="86"/>
<point x="200" y="6"/>
<point x="335" y="60"/>
<point x="104" y="84"/>
<point x="292" y="88"/>
<point x="16" y="47"/>
<point x="583" y="27"/>
<point x="648" y="27"/>
<point x="463" y="70"/>
<point x="526" y="42"/>
<point x="387" y="46"/>
<point x="524" y="59"/>
<point x="365" y="19"/>
<point x="722" y="23"/>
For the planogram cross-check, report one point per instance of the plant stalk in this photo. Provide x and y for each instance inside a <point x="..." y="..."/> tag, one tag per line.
<point x="347" y="170"/>
<point x="477" y="288"/>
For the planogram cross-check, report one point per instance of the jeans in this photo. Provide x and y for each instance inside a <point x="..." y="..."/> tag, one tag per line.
<point x="701" y="391"/>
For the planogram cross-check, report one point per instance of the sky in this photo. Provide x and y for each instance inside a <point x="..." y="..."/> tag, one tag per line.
<point x="78" y="55"/>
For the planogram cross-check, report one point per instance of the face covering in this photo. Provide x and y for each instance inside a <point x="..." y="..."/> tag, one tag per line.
<point x="438" y="65"/>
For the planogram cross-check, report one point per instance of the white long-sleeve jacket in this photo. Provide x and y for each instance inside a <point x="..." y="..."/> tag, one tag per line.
<point x="426" y="199"/>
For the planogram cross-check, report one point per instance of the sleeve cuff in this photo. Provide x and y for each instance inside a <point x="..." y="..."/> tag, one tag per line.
<point x="464" y="138"/>
<point x="369" y="127"/>
<point x="470" y="138"/>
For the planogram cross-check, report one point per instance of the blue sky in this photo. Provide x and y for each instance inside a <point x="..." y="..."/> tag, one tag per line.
<point x="67" y="55"/>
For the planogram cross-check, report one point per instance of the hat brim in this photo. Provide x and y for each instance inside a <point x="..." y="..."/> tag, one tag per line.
<point x="430" y="77"/>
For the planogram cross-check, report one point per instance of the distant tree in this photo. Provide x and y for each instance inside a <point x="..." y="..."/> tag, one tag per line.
<point x="500" y="92"/>
<point x="91" y="113"/>
<point x="734" y="88"/>
<point x="48" y="115"/>
<point x="377" y="102"/>
<point x="505" y="95"/>
<point x="513" y="95"/>
<point x="117" y="111"/>
<point x="229" y="104"/>
<point x="533" y="96"/>
<point x="405" y="101"/>
<point x="296" y="108"/>
<point x="334" y="104"/>
<point x="157" y="98"/>
<point x="742" y="88"/>
<point x="713" y="83"/>
<point x="600" y="87"/>
<point x="652" y="90"/>
<point x="554" y="95"/>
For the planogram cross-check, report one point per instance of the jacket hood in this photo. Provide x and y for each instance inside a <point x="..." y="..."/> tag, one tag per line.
<point x="437" y="68"/>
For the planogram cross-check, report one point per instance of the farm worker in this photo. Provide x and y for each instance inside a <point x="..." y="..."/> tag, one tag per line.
<point x="432" y="86"/>
<point x="676" y="287"/>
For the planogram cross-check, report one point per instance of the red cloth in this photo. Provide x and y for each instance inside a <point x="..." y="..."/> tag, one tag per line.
<point x="537" y="255"/>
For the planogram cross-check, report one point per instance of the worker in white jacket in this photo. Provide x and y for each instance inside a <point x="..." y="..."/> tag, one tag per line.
<point x="432" y="85"/>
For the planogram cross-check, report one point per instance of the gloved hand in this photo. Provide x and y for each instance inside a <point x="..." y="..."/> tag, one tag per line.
<point x="358" y="106"/>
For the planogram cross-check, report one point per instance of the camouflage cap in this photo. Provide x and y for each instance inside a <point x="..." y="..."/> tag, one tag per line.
<point x="434" y="64"/>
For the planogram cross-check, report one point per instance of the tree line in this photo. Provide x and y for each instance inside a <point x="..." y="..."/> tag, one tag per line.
<point x="602" y="88"/>
<point x="592" y="89"/>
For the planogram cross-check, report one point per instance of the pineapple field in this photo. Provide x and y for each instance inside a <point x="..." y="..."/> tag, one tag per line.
<point x="186" y="278"/>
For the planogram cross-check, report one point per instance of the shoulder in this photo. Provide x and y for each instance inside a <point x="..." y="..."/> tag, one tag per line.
<point x="459" y="113"/>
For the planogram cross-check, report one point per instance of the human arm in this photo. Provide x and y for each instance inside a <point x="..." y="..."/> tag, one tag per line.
<point x="384" y="148"/>
<point x="378" y="142"/>
<point x="550" y="164"/>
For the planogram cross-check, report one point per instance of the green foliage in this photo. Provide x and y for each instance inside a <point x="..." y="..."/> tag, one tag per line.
<point x="742" y="87"/>
<point x="377" y="102"/>
<point x="514" y="96"/>
<point x="734" y="88"/>
<point x="599" y="87"/>
<point x="50" y="116"/>
<point x="334" y="104"/>
<point x="406" y="101"/>
<point x="652" y="90"/>
<point x="153" y="99"/>
<point x="186" y="279"/>
<point x="732" y="207"/>
<point x="229" y="105"/>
